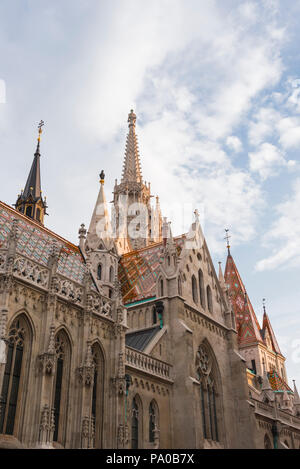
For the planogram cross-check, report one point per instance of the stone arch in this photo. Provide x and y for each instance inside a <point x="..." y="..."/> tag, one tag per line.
<point x="210" y="395"/>
<point x="24" y="311"/>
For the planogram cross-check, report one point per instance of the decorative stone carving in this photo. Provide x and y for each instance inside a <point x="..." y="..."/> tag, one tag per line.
<point x="87" y="371"/>
<point x="88" y="433"/>
<point x="203" y="362"/>
<point x="47" y="426"/>
<point x="30" y="271"/>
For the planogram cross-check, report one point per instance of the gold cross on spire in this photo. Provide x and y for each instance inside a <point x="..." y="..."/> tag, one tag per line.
<point x="227" y="237"/>
<point x="40" y="129"/>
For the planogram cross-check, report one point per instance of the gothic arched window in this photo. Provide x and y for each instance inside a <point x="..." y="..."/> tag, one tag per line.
<point x="97" y="394"/>
<point x="209" y="299"/>
<point x="29" y="211"/>
<point x="154" y="315"/>
<point x="207" y="372"/>
<point x="194" y="289"/>
<point x="135" y="417"/>
<point x="99" y="272"/>
<point x="153" y="420"/>
<point x="179" y="286"/>
<point x="15" y="373"/>
<point x="201" y="288"/>
<point x="61" y="385"/>
<point x="38" y="214"/>
<point x="111" y="274"/>
<point x="161" y="287"/>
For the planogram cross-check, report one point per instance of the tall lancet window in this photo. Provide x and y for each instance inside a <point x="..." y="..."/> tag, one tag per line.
<point x="210" y="404"/>
<point x="61" y="385"/>
<point x="15" y="375"/>
<point x="97" y="395"/>
<point x="136" y="418"/>
<point x="201" y="288"/>
<point x="153" y="420"/>
<point x="194" y="289"/>
<point x="209" y="299"/>
<point x="111" y="274"/>
<point x="99" y="272"/>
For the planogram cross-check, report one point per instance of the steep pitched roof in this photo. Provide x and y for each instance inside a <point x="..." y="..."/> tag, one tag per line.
<point x="247" y="324"/>
<point x="35" y="242"/>
<point x="267" y="325"/>
<point x="140" y="339"/>
<point x="100" y="226"/>
<point x="139" y="270"/>
<point x="33" y="184"/>
<point x="277" y="382"/>
<point x="132" y="167"/>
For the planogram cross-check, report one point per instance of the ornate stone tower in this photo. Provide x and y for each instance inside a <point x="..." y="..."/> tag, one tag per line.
<point x="30" y="201"/>
<point x="99" y="249"/>
<point x="135" y="222"/>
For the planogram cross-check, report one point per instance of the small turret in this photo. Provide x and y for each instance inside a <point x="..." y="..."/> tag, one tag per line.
<point x="30" y="201"/>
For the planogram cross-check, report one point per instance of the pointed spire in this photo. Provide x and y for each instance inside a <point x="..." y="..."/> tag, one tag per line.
<point x="296" y="394"/>
<point x="221" y="277"/>
<point x="30" y="200"/>
<point x="266" y="385"/>
<point x="100" y="226"/>
<point x="267" y="325"/>
<point x="132" y="167"/>
<point x="247" y="324"/>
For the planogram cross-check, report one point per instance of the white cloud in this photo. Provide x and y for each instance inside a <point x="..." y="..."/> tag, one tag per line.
<point x="263" y="125"/>
<point x="289" y="130"/>
<point x="267" y="160"/>
<point x="284" y="234"/>
<point x="234" y="143"/>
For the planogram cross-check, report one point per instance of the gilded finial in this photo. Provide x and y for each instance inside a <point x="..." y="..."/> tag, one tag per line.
<point x="227" y="237"/>
<point x="39" y="135"/>
<point x="102" y="177"/>
<point x="41" y="124"/>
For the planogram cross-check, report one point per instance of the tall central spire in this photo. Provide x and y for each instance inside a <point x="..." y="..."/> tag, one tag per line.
<point x="132" y="167"/>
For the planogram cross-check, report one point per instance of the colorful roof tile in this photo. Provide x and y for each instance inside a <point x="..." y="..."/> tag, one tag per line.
<point x="248" y="327"/>
<point x="277" y="383"/>
<point x="35" y="242"/>
<point x="138" y="272"/>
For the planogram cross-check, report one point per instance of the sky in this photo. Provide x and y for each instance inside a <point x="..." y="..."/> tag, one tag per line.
<point x="216" y="89"/>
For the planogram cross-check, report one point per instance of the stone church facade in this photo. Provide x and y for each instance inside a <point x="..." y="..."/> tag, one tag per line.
<point x="131" y="339"/>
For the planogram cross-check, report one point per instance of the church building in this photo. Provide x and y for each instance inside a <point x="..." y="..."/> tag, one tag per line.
<point x="131" y="339"/>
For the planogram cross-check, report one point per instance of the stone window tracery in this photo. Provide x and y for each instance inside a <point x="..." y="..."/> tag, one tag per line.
<point x="208" y="393"/>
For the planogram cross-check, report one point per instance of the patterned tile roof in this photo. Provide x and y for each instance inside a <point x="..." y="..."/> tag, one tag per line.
<point x="35" y="242"/>
<point x="247" y="324"/>
<point x="277" y="382"/>
<point x="138" y="271"/>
